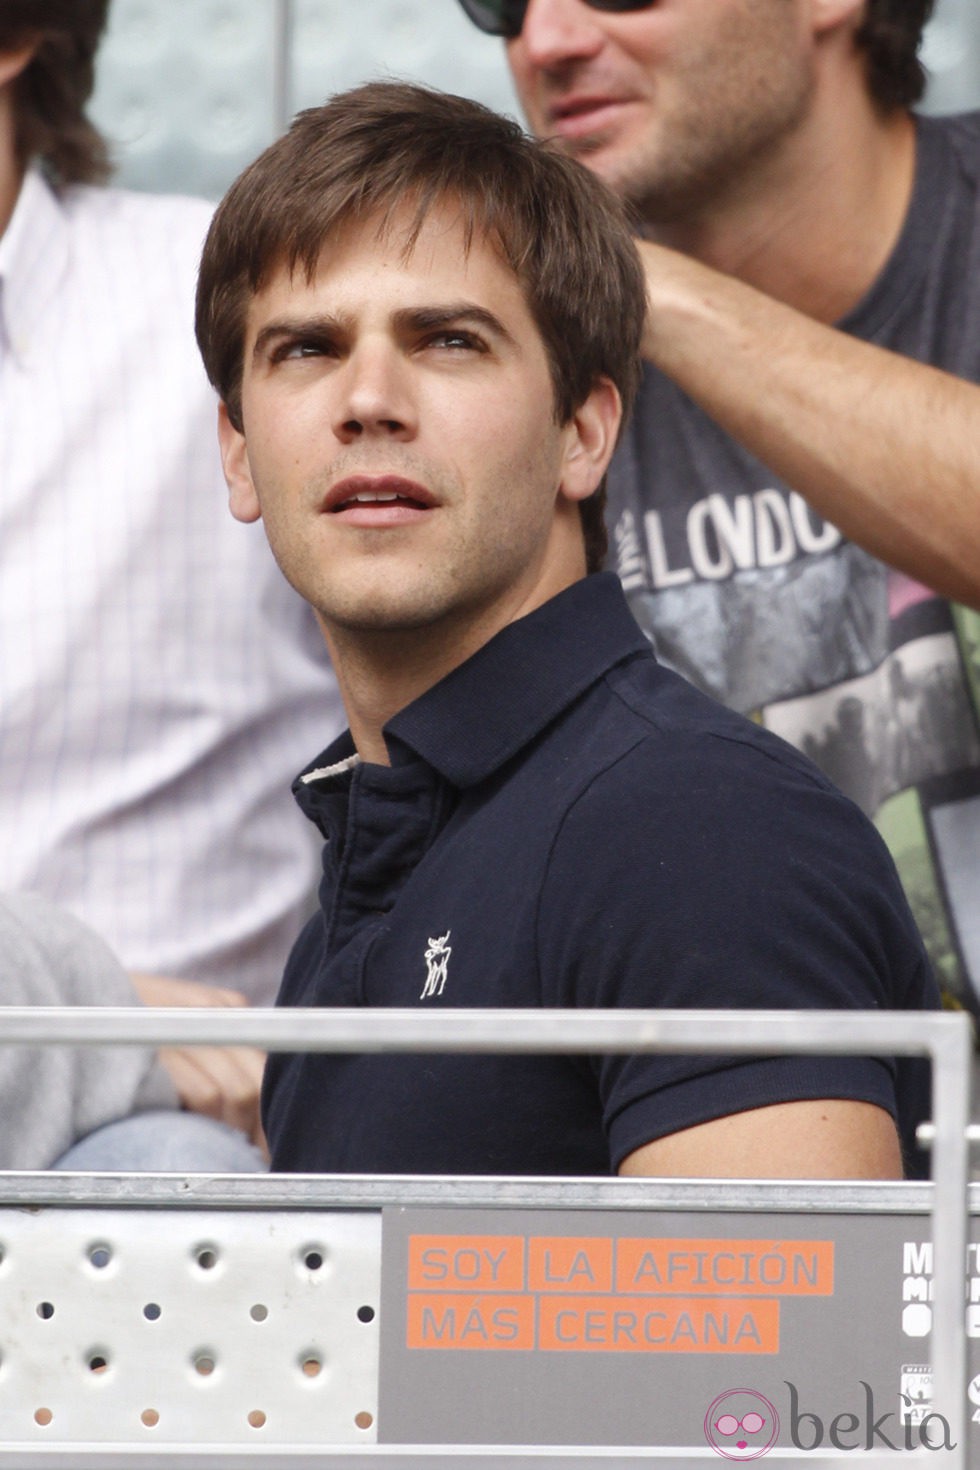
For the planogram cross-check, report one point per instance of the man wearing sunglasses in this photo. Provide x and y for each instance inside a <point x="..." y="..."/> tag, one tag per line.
<point x="796" y="498"/>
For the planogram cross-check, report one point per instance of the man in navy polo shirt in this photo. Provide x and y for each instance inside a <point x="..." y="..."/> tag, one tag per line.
<point x="423" y="327"/>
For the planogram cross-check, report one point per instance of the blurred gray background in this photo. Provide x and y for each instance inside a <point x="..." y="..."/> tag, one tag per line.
<point x="189" y="91"/>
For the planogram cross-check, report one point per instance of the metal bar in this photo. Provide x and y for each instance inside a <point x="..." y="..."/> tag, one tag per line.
<point x="945" y="1038"/>
<point x="952" y="1056"/>
<point x="373" y="1192"/>
<point x="421" y="1457"/>
<point x="926" y="1134"/>
<point x="541" y="1031"/>
<point x="282" y="65"/>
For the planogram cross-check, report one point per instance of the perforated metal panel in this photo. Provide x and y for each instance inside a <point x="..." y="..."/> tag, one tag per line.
<point x="152" y="1326"/>
<point x="155" y="1319"/>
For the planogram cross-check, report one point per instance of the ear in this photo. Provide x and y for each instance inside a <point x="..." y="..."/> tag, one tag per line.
<point x="828" y="15"/>
<point x="590" y="438"/>
<point x="12" y="63"/>
<point x="242" y="499"/>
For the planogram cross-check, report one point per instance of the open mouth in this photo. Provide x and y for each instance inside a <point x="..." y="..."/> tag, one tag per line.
<point x="381" y="492"/>
<point x="378" y="502"/>
<point x="378" y="497"/>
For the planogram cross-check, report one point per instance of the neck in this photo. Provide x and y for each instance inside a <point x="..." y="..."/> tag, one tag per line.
<point x="11" y="174"/>
<point x="816" y="225"/>
<point x="382" y="671"/>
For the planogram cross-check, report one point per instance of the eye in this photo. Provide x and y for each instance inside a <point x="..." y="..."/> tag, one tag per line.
<point x="727" y="1424"/>
<point x="752" y="1423"/>
<point x="301" y="347"/>
<point x="455" y="339"/>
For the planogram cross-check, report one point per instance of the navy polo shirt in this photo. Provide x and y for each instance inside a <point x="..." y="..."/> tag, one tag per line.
<point x="566" y="823"/>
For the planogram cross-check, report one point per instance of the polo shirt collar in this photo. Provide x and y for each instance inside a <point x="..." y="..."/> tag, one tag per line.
<point x="485" y="711"/>
<point x="33" y="258"/>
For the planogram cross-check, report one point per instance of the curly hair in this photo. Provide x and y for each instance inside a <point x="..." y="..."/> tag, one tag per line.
<point x="890" y="36"/>
<point x="51" y="92"/>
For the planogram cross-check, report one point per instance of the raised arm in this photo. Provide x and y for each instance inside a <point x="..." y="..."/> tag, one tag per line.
<point x="883" y="447"/>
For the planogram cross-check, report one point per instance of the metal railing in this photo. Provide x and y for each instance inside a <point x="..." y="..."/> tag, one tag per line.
<point x="945" y="1039"/>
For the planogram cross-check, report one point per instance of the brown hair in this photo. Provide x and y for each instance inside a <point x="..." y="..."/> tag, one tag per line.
<point x="890" y="36"/>
<point x="365" y="153"/>
<point x="51" y="92"/>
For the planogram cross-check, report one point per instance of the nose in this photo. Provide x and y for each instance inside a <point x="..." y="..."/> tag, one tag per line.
<point x="374" y="395"/>
<point x="558" y="32"/>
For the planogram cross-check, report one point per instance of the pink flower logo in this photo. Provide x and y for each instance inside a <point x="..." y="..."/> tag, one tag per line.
<point x="741" y="1424"/>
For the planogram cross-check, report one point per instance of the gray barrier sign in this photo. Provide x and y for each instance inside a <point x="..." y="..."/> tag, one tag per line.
<point x="596" y="1327"/>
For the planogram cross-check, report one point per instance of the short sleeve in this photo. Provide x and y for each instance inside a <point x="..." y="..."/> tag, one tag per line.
<point x="711" y="872"/>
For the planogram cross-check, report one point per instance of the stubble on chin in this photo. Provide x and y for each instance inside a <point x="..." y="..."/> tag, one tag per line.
<point x="691" y="156"/>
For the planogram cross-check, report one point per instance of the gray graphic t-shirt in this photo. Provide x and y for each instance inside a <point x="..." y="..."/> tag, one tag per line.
<point x="750" y="594"/>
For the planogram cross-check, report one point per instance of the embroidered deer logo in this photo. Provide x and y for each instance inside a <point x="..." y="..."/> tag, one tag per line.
<point x="437" y="959"/>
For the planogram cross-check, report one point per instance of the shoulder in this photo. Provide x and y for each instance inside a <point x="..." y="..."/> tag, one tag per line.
<point x="960" y="125"/>
<point x="690" y="774"/>
<point x="162" y="227"/>
<point x="134" y="209"/>
<point x="960" y="134"/>
<point x="716" y="796"/>
<point x="711" y="853"/>
<point x="687" y="752"/>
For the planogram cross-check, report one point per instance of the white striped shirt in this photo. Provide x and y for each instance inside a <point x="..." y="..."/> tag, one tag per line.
<point x="159" y="682"/>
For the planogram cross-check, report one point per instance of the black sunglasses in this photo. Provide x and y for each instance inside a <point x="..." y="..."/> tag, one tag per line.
<point x="506" y="17"/>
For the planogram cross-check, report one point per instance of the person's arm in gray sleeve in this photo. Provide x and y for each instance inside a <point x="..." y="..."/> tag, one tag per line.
<point x="50" y="1096"/>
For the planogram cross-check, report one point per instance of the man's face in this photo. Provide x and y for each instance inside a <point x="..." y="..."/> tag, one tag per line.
<point x="400" y="440"/>
<point x="669" y="104"/>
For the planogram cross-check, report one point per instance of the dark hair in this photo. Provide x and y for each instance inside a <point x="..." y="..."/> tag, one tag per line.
<point x="890" y="36"/>
<point x="51" y="92"/>
<point x="368" y="151"/>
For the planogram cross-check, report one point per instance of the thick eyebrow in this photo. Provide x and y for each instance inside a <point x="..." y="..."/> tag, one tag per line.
<point x="453" y="314"/>
<point x="409" y="319"/>
<point x="321" y="325"/>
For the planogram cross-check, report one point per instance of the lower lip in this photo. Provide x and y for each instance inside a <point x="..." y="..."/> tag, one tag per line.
<point x="590" y="120"/>
<point x="380" y="515"/>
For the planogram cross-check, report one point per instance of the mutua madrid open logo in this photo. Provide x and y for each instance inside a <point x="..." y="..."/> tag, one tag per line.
<point x="741" y="1424"/>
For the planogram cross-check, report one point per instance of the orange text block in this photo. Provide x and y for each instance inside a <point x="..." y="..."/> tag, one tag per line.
<point x="569" y="1263"/>
<point x="742" y="1267"/>
<point x="466" y="1262"/>
<point x="455" y="1320"/>
<point x="669" y="1325"/>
